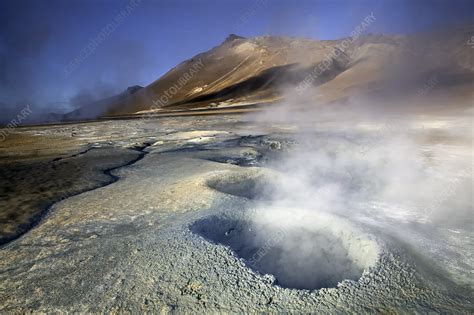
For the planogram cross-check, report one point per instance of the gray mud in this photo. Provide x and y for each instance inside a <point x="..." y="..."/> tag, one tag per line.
<point x="183" y="230"/>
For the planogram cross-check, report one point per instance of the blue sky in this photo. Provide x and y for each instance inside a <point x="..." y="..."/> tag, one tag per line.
<point x="38" y="38"/>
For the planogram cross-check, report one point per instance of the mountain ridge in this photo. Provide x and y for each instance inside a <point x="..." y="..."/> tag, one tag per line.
<point x="243" y="71"/>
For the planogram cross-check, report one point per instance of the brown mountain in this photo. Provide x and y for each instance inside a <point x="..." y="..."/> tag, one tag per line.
<point x="249" y="71"/>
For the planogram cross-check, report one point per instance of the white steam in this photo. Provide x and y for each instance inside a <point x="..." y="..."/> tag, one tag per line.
<point x="392" y="172"/>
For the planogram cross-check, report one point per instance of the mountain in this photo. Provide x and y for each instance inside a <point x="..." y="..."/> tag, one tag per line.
<point x="100" y="107"/>
<point x="248" y="71"/>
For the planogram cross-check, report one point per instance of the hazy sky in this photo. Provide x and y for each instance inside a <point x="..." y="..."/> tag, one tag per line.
<point x="40" y="38"/>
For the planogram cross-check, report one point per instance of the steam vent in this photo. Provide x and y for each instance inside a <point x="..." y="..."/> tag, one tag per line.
<point x="311" y="251"/>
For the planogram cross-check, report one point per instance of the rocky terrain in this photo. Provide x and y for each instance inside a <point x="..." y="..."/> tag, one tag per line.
<point x="216" y="214"/>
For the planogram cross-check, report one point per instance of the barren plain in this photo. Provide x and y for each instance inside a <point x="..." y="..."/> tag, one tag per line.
<point x="229" y="214"/>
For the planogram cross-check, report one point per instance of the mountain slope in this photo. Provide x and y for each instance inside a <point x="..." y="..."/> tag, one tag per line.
<point x="244" y="71"/>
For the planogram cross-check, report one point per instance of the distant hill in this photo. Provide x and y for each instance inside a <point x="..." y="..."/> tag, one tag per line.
<point x="98" y="108"/>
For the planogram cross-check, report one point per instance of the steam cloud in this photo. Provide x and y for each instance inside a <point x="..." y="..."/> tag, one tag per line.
<point x="389" y="174"/>
<point x="375" y="160"/>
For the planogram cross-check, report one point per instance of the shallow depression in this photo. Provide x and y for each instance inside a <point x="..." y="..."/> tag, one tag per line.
<point x="302" y="249"/>
<point x="250" y="184"/>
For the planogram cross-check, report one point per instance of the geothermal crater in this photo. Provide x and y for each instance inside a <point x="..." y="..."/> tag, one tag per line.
<point x="250" y="184"/>
<point x="302" y="249"/>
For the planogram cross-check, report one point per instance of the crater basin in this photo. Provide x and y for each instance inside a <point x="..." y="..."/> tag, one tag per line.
<point x="301" y="249"/>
